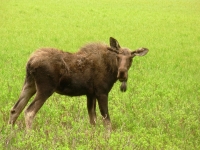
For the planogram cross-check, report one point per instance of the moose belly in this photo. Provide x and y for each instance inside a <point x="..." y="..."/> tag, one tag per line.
<point x="75" y="87"/>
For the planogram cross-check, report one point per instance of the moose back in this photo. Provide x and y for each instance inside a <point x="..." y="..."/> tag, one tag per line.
<point x="92" y="71"/>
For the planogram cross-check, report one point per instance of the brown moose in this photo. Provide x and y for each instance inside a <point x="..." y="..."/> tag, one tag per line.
<point x="91" y="71"/>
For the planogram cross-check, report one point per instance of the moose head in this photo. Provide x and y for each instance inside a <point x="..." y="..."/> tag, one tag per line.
<point x="124" y="60"/>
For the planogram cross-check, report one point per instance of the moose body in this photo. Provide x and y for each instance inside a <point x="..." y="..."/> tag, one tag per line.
<point x="92" y="71"/>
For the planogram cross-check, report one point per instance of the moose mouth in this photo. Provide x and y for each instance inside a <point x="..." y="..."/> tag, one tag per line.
<point x="122" y="79"/>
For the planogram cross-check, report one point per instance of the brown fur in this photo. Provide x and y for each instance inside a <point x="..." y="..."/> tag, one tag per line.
<point x="91" y="71"/>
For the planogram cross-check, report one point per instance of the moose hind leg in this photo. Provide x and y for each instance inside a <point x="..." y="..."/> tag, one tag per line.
<point x="34" y="107"/>
<point x="27" y="92"/>
<point x="45" y="89"/>
<point x="103" y="106"/>
<point x="91" y="106"/>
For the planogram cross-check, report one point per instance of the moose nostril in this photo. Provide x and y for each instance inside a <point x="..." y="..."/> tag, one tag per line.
<point x="121" y="73"/>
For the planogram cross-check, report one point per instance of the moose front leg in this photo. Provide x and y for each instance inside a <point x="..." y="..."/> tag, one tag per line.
<point x="103" y="106"/>
<point x="91" y="106"/>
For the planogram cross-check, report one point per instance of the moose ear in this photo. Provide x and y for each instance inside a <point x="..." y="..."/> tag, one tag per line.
<point x="140" y="52"/>
<point x="114" y="43"/>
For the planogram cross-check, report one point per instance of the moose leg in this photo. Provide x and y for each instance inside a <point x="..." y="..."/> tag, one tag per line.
<point x="27" y="92"/>
<point x="91" y="106"/>
<point x="45" y="88"/>
<point x="33" y="108"/>
<point x="103" y="106"/>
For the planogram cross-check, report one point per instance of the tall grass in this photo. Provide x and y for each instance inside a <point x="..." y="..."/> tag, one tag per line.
<point x="160" y="110"/>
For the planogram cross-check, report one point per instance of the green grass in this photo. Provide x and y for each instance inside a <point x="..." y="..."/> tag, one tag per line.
<point x="161" y="108"/>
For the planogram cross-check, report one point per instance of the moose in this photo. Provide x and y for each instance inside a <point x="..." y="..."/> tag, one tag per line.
<point x="92" y="71"/>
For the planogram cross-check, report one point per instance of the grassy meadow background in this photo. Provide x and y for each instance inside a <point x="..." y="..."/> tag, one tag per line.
<point x="161" y="108"/>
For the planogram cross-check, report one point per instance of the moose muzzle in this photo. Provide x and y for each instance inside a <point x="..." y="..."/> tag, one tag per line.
<point x="122" y="74"/>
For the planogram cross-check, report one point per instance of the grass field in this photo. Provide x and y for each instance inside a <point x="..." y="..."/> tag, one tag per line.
<point x="161" y="108"/>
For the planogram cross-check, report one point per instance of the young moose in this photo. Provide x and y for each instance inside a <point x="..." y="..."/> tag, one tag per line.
<point x="91" y="71"/>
